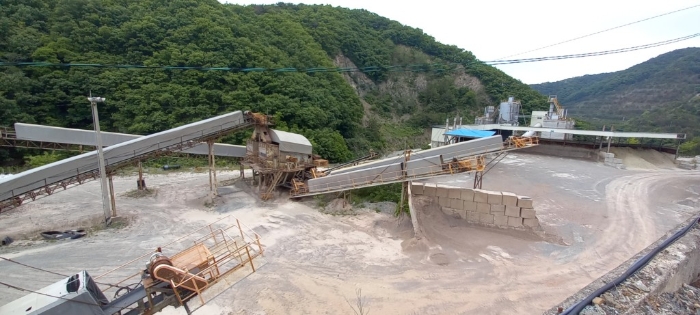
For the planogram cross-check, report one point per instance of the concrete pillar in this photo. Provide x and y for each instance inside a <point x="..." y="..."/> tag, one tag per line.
<point x="417" y="232"/>
<point x="112" y="200"/>
<point x="212" y="167"/>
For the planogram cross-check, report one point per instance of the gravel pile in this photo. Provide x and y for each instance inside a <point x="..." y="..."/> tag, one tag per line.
<point x="684" y="301"/>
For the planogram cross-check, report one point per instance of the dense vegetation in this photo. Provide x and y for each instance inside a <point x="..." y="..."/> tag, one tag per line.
<point x="648" y="93"/>
<point x="321" y="105"/>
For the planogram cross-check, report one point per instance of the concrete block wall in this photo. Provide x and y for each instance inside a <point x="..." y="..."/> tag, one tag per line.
<point x="610" y="160"/>
<point x="491" y="208"/>
<point x="561" y="151"/>
<point x="688" y="163"/>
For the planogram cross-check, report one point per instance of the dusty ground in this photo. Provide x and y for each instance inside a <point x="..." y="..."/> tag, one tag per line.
<point x="315" y="261"/>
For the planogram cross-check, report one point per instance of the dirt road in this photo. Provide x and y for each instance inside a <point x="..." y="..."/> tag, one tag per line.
<point x="315" y="261"/>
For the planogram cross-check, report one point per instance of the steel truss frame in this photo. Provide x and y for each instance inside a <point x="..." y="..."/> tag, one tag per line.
<point x="50" y="188"/>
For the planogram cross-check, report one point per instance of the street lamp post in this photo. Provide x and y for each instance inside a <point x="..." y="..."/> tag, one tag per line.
<point x="106" y="205"/>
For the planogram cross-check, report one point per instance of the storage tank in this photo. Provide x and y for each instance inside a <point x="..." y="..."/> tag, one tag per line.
<point x="509" y="111"/>
<point x="504" y="111"/>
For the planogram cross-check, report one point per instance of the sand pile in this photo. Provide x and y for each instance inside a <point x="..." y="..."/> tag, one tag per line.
<point x="661" y="160"/>
<point x="643" y="158"/>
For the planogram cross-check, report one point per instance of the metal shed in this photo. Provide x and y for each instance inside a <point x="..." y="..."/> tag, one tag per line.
<point x="291" y="142"/>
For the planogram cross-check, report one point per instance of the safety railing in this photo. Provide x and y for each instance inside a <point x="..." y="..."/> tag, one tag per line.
<point x="207" y="257"/>
<point x="211" y="259"/>
<point x="7" y="133"/>
<point x="515" y="142"/>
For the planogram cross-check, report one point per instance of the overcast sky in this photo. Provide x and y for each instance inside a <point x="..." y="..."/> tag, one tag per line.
<point x="498" y="28"/>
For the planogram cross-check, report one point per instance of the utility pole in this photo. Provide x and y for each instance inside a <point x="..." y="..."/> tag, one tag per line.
<point x="106" y="204"/>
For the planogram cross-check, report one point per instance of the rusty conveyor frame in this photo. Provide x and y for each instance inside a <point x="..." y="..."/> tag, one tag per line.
<point x="213" y="256"/>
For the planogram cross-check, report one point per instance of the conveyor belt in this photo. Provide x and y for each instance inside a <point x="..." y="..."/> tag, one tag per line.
<point x="49" y="134"/>
<point x="451" y="159"/>
<point x="45" y="180"/>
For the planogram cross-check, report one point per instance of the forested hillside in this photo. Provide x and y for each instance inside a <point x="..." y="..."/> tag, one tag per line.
<point x="653" y="88"/>
<point x="342" y="114"/>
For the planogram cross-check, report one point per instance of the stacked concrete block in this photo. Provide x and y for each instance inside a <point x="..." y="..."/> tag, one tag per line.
<point x="469" y="206"/>
<point x="494" y="197"/>
<point x="491" y="208"/>
<point x="483" y="208"/>
<point x="610" y="160"/>
<point x="429" y="190"/>
<point x="417" y="189"/>
<point x="687" y="163"/>
<point x="527" y="213"/>
<point x="498" y="209"/>
<point x="456" y="203"/>
<point x="442" y="192"/>
<point x="512" y="211"/>
<point x="467" y="195"/>
<point x="524" y="202"/>
<point x="515" y="222"/>
<point x="485" y="218"/>
<point x="510" y="199"/>
<point x="480" y="196"/>
<point x="500" y="220"/>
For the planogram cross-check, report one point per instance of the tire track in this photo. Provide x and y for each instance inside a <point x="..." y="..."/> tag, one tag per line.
<point x="631" y="222"/>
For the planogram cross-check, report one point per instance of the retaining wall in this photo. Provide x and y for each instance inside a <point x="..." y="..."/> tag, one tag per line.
<point x="669" y="270"/>
<point x="561" y="151"/>
<point x="484" y="207"/>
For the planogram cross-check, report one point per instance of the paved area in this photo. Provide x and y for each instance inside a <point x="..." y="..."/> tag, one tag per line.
<point x="595" y="217"/>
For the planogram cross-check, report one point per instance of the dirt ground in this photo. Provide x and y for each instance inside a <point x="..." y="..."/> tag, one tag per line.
<point x="314" y="262"/>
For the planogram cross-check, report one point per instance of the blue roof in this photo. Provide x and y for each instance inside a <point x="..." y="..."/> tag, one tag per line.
<point x="470" y="133"/>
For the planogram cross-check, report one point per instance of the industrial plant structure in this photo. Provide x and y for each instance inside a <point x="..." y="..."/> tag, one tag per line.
<point x="552" y="125"/>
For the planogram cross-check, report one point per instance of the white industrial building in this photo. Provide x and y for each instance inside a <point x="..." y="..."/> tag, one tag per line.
<point x="553" y="124"/>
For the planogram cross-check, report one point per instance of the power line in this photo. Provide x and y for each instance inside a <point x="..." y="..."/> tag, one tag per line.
<point x="599" y="53"/>
<point x="128" y="287"/>
<point x="434" y="67"/>
<point x="603" y="31"/>
<point x="55" y="273"/>
<point x="31" y="267"/>
<point x="44" y="294"/>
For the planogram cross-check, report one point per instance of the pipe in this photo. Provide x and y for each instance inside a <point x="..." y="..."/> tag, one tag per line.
<point x="532" y="132"/>
<point x="639" y="264"/>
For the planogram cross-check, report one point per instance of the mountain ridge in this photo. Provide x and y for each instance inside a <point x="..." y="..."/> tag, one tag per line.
<point x="342" y="114"/>
<point x="662" y="81"/>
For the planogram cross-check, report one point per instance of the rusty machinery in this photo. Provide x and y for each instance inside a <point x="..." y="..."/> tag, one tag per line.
<point x="272" y="167"/>
<point x="178" y="274"/>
